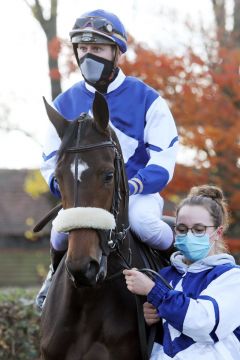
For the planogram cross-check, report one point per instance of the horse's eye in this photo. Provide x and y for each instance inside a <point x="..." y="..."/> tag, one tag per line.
<point x="108" y="177"/>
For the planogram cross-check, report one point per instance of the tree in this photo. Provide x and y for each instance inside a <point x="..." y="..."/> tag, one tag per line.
<point x="49" y="26"/>
<point x="204" y="97"/>
<point x="8" y="126"/>
<point x="34" y="183"/>
<point x="224" y="69"/>
<point x="225" y="36"/>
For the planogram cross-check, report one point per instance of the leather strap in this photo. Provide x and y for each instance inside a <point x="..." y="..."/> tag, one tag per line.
<point x="142" y="328"/>
<point x="146" y="342"/>
<point x="45" y="220"/>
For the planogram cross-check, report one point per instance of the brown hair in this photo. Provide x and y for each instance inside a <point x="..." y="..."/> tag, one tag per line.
<point x="212" y="199"/>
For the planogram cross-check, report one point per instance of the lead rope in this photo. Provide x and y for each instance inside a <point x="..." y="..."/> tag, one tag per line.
<point x="140" y="318"/>
<point x="146" y="346"/>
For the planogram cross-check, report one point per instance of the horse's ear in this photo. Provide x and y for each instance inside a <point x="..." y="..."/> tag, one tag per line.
<point x="100" y="111"/>
<point x="56" y="119"/>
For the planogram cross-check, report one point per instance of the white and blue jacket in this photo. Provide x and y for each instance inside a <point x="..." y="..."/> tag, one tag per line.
<point x="201" y="317"/>
<point x="144" y="126"/>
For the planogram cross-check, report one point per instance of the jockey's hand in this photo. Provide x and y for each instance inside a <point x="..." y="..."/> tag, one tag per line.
<point x="150" y="314"/>
<point x="137" y="282"/>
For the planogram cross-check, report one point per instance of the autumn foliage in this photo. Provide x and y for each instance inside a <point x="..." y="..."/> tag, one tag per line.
<point x="204" y="97"/>
<point x="205" y="101"/>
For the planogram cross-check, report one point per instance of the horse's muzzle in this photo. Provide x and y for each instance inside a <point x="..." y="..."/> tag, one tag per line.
<point x="83" y="273"/>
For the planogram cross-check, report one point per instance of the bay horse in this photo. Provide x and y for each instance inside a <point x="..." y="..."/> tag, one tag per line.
<point x="89" y="314"/>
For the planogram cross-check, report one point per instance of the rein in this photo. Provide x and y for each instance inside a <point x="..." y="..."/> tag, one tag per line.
<point x="110" y="240"/>
<point x="146" y="344"/>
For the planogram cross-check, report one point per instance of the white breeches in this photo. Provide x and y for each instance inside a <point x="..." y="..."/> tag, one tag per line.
<point x="59" y="240"/>
<point x="145" y="212"/>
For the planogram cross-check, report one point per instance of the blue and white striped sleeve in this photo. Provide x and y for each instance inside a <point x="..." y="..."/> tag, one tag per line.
<point x="49" y="159"/>
<point x="211" y="317"/>
<point x="161" y="139"/>
<point x="215" y="313"/>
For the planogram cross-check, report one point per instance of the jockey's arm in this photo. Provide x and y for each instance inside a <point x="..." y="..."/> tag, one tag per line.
<point x="161" y="139"/>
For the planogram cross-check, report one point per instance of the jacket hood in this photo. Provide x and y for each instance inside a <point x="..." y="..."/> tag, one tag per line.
<point x="177" y="260"/>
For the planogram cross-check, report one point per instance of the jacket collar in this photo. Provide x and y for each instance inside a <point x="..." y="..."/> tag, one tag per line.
<point x="112" y="86"/>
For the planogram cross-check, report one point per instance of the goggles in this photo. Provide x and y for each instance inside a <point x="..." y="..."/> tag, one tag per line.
<point x="98" y="24"/>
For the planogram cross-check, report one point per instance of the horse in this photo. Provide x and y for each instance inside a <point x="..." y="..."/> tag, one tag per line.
<point x="89" y="314"/>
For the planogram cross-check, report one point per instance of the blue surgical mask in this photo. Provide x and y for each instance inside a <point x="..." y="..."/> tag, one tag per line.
<point x="193" y="247"/>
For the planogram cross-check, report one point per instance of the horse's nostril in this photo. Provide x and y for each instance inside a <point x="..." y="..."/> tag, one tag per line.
<point x="83" y="274"/>
<point x="92" y="269"/>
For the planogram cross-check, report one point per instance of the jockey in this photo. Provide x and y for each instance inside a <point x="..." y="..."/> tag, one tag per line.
<point x="139" y="116"/>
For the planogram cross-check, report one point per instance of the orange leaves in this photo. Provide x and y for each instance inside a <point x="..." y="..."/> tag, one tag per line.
<point x="204" y="97"/>
<point x="54" y="48"/>
<point x="152" y="67"/>
<point x="225" y="72"/>
<point x="205" y="101"/>
<point x="54" y="74"/>
<point x="235" y="201"/>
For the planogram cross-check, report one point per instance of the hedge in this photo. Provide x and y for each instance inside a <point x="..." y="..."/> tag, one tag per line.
<point x="19" y="325"/>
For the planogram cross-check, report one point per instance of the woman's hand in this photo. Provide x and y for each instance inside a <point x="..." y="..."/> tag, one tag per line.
<point x="137" y="282"/>
<point x="150" y="314"/>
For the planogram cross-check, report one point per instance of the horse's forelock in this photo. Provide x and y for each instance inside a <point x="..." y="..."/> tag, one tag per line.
<point x="68" y="138"/>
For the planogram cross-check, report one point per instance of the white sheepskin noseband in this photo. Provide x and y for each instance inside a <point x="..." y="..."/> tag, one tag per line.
<point x="83" y="217"/>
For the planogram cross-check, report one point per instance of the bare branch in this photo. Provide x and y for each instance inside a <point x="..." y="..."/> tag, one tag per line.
<point x="236" y="24"/>
<point x="28" y="5"/>
<point x="36" y="10"/>
<point x="9" y="129"/>
<point x="219" y="12"/>
<point x="54" y="4"/>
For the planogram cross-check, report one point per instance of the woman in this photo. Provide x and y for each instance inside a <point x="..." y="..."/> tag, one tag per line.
<point x="201" y="317"/>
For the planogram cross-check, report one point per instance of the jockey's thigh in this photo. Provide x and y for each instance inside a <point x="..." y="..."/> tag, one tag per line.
<point x="59" y="240"/>
<point x="145" y="212"/>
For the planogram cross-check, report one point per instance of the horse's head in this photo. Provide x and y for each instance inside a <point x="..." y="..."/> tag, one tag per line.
<point x="91" y="177"/>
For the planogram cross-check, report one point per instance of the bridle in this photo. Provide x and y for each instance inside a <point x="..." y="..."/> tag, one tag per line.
<point x="109" y="239"/>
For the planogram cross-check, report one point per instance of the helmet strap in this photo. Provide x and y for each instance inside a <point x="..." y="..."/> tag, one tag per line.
<point x="75" y="46"/>
<point x="115" y="60"/>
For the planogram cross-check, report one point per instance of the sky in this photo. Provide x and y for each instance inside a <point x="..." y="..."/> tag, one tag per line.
<point x="23" y="65"/>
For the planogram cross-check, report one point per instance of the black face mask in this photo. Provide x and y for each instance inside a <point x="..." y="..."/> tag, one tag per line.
<point x="96" y="70"/>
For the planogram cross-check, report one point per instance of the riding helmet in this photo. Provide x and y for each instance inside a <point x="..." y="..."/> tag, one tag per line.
<point x="100" y="27"/>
